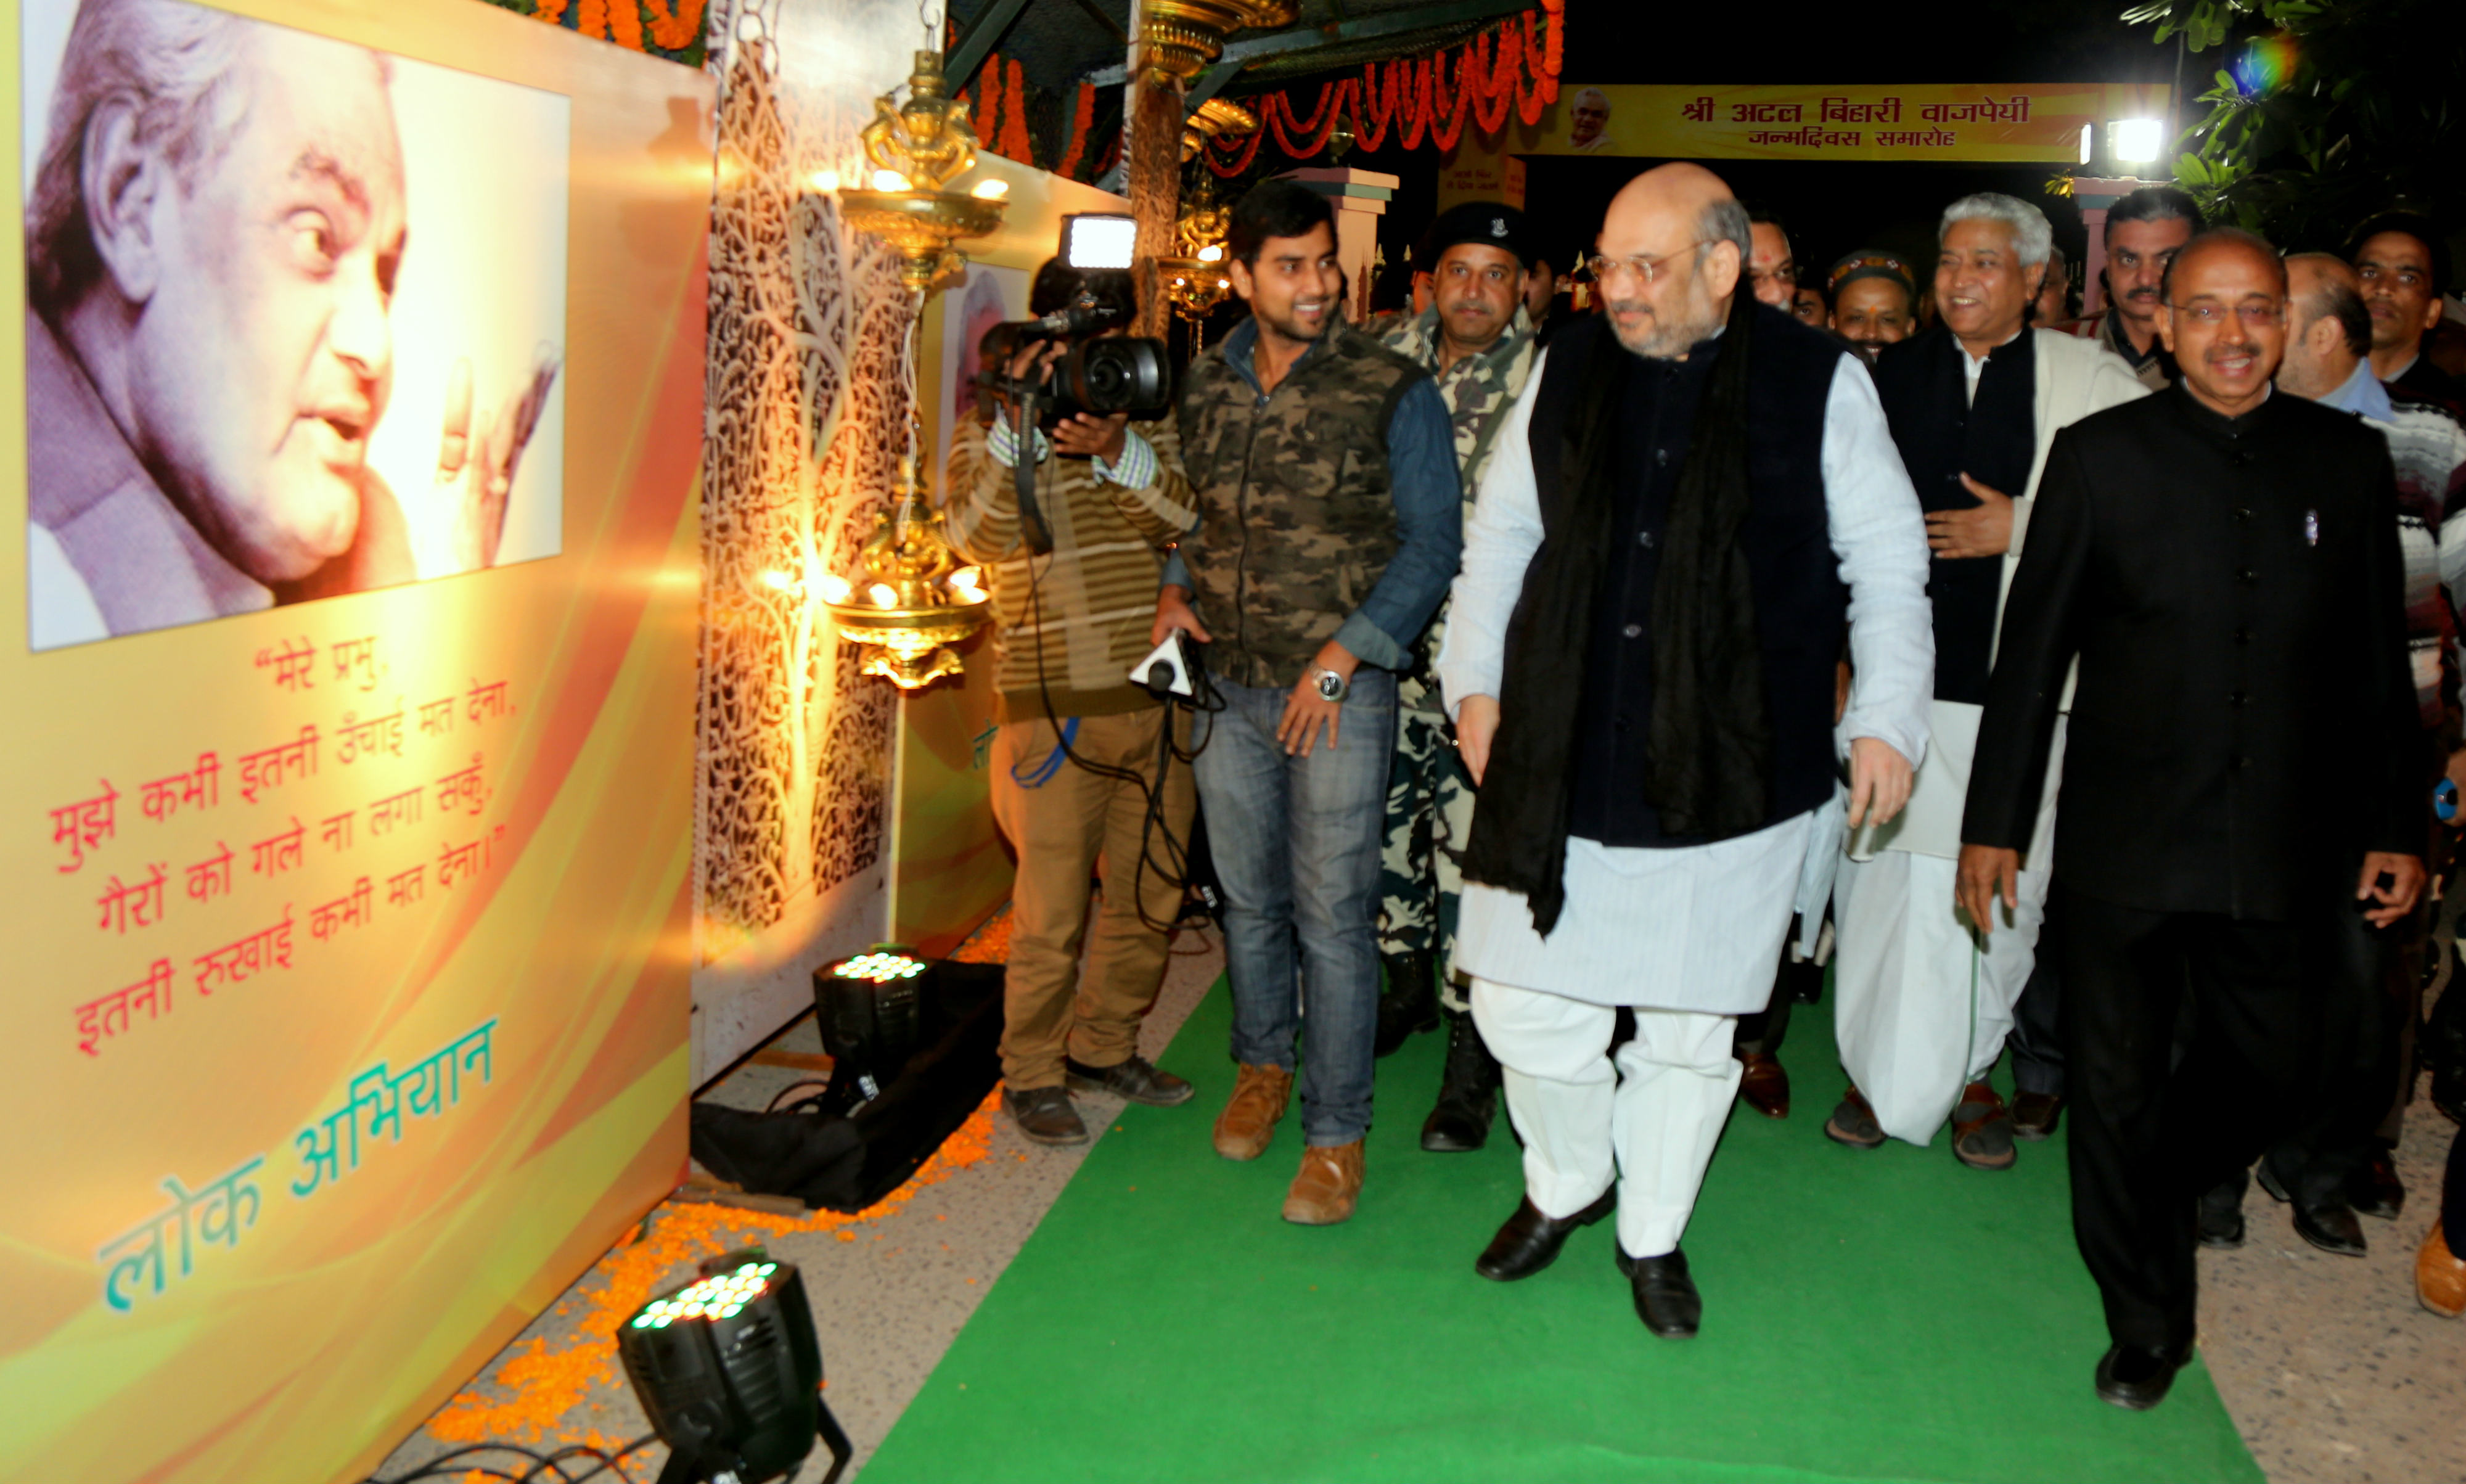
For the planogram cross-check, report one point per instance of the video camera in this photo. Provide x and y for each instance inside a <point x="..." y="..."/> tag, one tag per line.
<point x="1099" y="374"/>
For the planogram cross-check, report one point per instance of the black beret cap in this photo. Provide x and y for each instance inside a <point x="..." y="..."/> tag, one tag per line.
<point x="1487" y="222"/>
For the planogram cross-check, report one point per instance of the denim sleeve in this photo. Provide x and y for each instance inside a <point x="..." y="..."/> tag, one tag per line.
<point x="1429" y="521"/>
<point x="1177" y="572"/>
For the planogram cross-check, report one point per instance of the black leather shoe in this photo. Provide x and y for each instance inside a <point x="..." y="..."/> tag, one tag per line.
<point x="2035" y="1114"/>
<point x="2374" y="1190"/>
<point x="1138" y="1079"/>
<point x="2329" y="1226"/>
<point x="1045" y="1115"/>
<point x="1410" y="1004"/>
<point x="2220" y="1222"/>
<point x="1529" y="1241"/>
<point x="2136" y="1379"/>
<point x="1666" y="1300"/>
<point x="1467" y="1094"/>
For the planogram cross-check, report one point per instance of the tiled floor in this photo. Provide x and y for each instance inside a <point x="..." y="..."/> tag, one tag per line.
<point x="2331" y="1371"/>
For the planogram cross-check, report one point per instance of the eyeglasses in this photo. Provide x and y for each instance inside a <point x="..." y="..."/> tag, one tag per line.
<point x="1646" y="269"/>
<point x="2212" y="315"/>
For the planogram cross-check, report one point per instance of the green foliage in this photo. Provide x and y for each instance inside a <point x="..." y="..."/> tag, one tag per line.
<point x="2326" y="111"/>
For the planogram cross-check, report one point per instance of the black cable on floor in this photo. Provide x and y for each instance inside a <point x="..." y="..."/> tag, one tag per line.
<point x="543" y="1469"/>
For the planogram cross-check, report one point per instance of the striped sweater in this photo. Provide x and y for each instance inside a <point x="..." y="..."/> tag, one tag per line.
<point x="1071" y="627"/>
<point x="2427" y="445"/>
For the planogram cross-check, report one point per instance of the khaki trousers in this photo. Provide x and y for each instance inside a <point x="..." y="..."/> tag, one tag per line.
<point x="1072" y="825"/>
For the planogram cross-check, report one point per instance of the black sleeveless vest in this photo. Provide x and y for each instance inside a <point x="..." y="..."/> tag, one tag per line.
<point x="1801" y="606"/>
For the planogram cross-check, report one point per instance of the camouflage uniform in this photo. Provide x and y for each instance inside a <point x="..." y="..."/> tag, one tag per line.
<point x="1429" y="798"/>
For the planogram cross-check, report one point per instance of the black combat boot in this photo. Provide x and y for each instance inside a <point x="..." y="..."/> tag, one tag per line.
<point x="1411" y="1002"/>
<point x="1467" y="1096"/>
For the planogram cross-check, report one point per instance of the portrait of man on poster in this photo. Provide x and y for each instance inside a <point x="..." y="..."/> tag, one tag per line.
<point x="216" y="230"/>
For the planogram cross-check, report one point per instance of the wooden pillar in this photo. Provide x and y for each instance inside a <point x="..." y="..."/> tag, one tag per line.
<point x="1152" y="178"/>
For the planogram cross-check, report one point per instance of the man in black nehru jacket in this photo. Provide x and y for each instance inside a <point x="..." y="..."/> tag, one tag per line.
<point x="2240" y="767"/>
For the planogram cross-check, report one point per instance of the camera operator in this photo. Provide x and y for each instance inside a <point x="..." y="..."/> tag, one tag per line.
<point x="1079" y="751"/>
<point x="1325" y="472"/>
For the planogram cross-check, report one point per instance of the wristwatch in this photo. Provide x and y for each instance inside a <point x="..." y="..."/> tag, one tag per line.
<point x="1331" y="687"/>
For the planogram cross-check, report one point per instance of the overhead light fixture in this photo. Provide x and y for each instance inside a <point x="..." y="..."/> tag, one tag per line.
<point x="901" y="604"/>
<point x="1193" y="280"/>
<point x="2136" y="141"/>
<point x="2088" y="143"/>
<point x="916" y="600"/>
<point x="729" y="1371"/>
<point x="915" y="149"/>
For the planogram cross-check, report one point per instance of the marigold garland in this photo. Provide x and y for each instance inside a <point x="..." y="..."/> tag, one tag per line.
<point x="673" y="27"/>
<point x="1081" y="121"/>
<point x="651" y="27"/>
<point x="1518" y="75"/>
<point x="1014" y="142"/>
<point x="625" y="23"/>
<point x="1246" y="150"/>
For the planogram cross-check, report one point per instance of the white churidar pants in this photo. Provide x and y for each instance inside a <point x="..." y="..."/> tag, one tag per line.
<point x="1649" y="1121"/>
<point x="1919" y="1009"/>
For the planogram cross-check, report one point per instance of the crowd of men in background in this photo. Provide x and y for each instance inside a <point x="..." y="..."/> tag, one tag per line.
<point x="1597" y="658"/>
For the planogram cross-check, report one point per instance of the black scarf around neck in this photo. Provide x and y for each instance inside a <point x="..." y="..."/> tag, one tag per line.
<point x="1707" y="760"/>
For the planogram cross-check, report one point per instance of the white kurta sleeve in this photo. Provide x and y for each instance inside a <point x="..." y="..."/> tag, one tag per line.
<point x="1880" y="537"/>
<point x="1500" y="539"/>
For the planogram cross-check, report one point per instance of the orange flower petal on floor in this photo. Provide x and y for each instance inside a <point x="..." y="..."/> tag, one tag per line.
<point x="534" y="1388"/>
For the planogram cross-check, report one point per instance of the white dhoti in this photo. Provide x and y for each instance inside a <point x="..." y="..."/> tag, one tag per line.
<point x="1921" y="1006"/>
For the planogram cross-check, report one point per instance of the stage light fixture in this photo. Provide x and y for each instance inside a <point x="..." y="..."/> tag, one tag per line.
<point x="730" y="1375"/>
<point x="874" y="1011"/>
<point x="2135" y="141"/>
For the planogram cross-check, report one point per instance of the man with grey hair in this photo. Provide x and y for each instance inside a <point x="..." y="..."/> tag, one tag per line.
<point x="215" y="228"/>
<point x="1921" y="1005"/>
<point x="1641" y="666"/>
<point x="1588" y="120"/>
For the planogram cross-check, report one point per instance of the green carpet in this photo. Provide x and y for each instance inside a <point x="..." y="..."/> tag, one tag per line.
<point x="1868" y="1316"/>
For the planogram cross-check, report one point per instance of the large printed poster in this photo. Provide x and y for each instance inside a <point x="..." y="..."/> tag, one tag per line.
<point x="351" y="1015"/>
<point x="283" y="348"/>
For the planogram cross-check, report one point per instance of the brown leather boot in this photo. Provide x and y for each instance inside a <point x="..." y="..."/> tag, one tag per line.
<point x="2439" y="1277"/>
<point x="1260" y="1097"/>
<point x="1327" y="1187"/>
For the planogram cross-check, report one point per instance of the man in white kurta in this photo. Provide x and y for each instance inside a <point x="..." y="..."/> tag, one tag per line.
<point x="1684" y="934"/>
<point x="1921" y="1004"/>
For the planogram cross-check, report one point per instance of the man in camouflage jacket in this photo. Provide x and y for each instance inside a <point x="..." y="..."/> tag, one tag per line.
<point x="1475" y="340"/>
<point x="1330" y="525"/>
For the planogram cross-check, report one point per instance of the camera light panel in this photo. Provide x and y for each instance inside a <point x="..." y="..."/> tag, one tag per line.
<point x="1094" y="240"/>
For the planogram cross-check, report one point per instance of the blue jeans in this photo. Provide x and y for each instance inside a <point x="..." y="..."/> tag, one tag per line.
<point x="1295" y="841"/>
